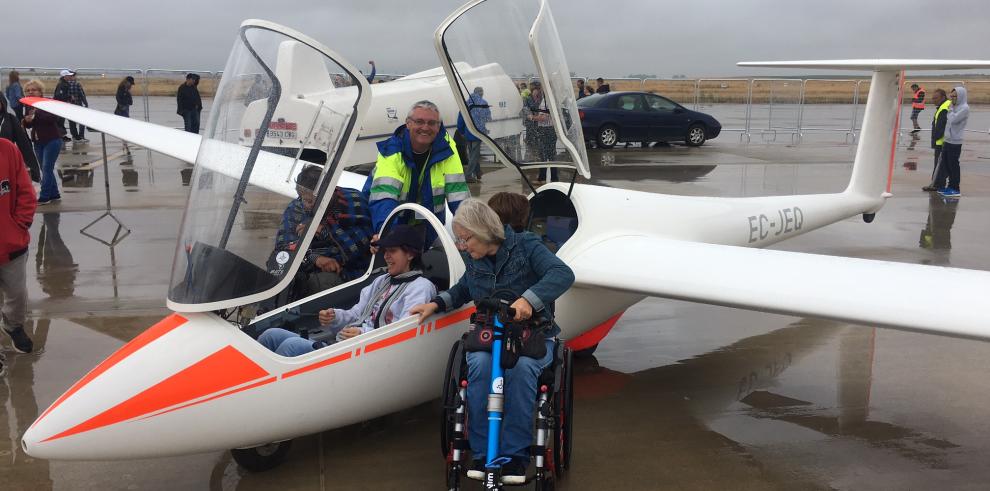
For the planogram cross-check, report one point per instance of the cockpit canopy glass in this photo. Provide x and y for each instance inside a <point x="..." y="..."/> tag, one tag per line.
<point x="283" y="104"/>
<point x="510" y="69"/>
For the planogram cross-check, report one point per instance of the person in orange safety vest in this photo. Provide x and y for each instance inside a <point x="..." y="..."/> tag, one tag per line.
<point x="917" y="105"/>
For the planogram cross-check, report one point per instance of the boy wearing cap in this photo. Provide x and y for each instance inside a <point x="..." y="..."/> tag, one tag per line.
<point x="387" y="299"/>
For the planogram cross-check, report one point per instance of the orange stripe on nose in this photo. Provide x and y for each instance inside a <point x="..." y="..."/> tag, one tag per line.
<point x="221" y="370"/>
<point x="154" y="332"/>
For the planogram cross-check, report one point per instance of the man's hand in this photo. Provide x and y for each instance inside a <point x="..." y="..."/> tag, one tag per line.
<point x="327" y="316"/>
<point x="327" y="264"/>
<point x="349" y="332"/>
<point x="374" y="248"/>
<point x="424" y="310"/>
<point x="523" y="309"/>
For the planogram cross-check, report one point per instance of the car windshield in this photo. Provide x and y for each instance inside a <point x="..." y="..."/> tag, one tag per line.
<point x="281" y="102"/>
<point x="590" y="101"/>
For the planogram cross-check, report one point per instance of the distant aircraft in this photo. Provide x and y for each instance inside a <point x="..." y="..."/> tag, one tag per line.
<point x="196" y="381"/>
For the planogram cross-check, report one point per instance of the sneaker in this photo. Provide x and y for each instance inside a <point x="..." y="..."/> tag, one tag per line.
<point x="915" y="131"/>
<point x="22" y="343"/>
<point x="928" y="188"/>
<point x="477" y="470"/>
<point x="42" y="202"/>
<point x="515" y="471"/>
<point x="950" y="192"/>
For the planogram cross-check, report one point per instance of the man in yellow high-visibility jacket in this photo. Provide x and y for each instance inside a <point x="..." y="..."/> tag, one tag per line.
<point x="939" y="173"/>
<point x="417" y="164"/>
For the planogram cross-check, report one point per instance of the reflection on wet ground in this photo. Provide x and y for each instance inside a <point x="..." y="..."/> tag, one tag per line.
<point x="679" y="395"/>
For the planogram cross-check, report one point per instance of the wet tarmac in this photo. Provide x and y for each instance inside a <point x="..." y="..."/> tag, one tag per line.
<point x="678" y="396"/>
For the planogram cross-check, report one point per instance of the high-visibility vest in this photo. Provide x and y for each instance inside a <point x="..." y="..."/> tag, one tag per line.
<point x="392" y="179"/>
<point x="918" y="102"/>
<point x="941" y="109"/>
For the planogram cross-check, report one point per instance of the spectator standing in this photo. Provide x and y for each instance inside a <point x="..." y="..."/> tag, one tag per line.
<point x="917" y="105"/>
<point x="582" y="90"/>
<point x="47" y="142"/>
<point x="17" y="206"/>
<point x="481" y="114"/>
<point x="77" y="96"/>
<point x="14" y="94"/>
<point x="124" y="98"/>
<point x="603" y="87"/>
<point x="523" y="90"/>
<point x="955" y="129"/>
<point x="374" y="70"/>
<point x="541" y="138"/>
<point x="189" y="105"/>
<point x="61" y="93"/>
<point x="942" y="105"/>
<point x="11" y="129"/>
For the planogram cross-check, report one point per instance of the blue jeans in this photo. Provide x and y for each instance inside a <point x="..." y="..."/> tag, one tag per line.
<point x="285" y="343"/>
<point x="519" y="404"/>
<point x="190" y="119"/>
<point x="47" y="153"/>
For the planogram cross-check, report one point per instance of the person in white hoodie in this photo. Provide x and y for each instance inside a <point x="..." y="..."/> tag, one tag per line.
<point x="387" y="299"/>
<point x="955" y="129"/>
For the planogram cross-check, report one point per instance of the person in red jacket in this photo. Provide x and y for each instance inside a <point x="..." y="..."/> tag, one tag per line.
<point x="17" y="205"/>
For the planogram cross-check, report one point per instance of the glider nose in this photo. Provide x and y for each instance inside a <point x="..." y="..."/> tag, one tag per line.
<point x="179" y="362"/>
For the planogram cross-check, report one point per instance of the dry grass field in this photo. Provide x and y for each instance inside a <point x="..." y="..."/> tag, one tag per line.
<point x="712" y="91"/>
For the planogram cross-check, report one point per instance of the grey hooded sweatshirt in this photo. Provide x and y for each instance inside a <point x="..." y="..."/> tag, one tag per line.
<point x="957" y="118"/>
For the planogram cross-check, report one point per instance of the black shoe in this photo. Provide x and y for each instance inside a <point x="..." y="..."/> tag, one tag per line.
<point x="929" y="188"/>
<point x="3" y="367"/>
<point x="477" y="470"/>
<point x="915" y="131"/>
<point x="515" y="471"/>
<point x="22" y="343"/>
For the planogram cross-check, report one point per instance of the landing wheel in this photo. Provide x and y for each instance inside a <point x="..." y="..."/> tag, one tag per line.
<point x="868" y="217"/>
<point x="564" y="412"/>
<point x="448" y="397"/>
<point x="262" y="458"/>
<point x="586" y="352"/>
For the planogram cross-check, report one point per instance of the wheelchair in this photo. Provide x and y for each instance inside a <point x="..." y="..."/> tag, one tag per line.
<point x="551" y="450"/>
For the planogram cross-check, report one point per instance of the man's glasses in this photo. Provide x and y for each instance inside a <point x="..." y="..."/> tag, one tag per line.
<point x="432" y="123"/>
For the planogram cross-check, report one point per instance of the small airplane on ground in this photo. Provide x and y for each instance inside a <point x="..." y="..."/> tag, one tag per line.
<point x="197" y="381"/>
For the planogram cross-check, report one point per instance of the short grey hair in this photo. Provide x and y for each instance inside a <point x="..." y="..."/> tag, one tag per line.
<point x="425" y="105"/>
<point x="478" y="218"/>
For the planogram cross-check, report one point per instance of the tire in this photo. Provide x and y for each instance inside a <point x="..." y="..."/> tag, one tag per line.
<point x="696" y="135"/>
<point x="448" y="398"/>
<point x="263" y="457"/>
<point x="608" y="136"/>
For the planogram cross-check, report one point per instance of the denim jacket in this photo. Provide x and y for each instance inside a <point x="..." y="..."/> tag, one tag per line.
<point x="523" y="265"/>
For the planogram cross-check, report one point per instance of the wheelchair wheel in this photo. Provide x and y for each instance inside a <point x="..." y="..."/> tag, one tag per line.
<point x="564" y="414"/>
<point x="448" y="397"/>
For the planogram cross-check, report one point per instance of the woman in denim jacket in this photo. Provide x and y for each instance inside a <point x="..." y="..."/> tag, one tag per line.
<point x="497" y="258"/>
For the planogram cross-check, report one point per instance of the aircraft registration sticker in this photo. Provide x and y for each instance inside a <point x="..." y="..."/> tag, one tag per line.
<point x="283" y="130"/>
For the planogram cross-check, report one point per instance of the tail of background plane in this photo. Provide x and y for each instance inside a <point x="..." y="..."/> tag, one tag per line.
<point x="874" y="164"/>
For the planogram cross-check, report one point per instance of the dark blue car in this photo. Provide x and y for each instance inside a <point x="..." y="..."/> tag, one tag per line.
<point x="617" y="117"/>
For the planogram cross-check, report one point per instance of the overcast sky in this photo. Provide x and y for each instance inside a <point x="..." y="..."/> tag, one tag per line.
<point x="601" y="37"/>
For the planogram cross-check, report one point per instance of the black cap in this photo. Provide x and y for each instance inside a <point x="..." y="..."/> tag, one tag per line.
<point x="403" y="236"/>
<point x="129" y="79"/>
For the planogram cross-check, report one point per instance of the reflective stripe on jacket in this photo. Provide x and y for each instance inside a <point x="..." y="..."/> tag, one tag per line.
<point x="391" y="181"/>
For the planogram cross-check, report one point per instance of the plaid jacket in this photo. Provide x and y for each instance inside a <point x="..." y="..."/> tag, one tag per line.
<point x="344" y="235"/>
<point x="77" y="95"/>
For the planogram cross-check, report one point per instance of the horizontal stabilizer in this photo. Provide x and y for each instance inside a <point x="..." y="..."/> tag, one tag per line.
<point x="860" y="291"/>
<point x="879" y="65"/>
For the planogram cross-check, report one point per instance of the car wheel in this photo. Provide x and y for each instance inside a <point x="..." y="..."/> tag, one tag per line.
<point x="608" y="136"/>
<point x="695" y="135"/>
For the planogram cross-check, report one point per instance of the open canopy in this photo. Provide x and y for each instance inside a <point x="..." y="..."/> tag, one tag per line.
<point x="285" y="102"/>
<point x="495" y="46"/>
